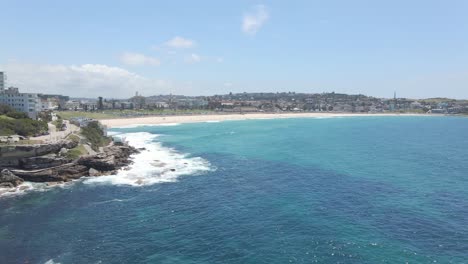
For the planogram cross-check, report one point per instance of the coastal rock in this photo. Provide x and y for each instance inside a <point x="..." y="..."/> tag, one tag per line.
<point x="42" y="162"/>
<point x="8" y="179"/>
<point x="54" y="169"/>
<point x="112" y="158"/>
<point x="63" y="151"/>
<point x="65" y="172"/>
<point x="100" y="162"/>
<point x="11" y="155"/>
<point x="93" y="172"/>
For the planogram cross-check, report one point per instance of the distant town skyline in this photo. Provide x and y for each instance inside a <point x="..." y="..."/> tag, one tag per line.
<point x="113" y="49"/>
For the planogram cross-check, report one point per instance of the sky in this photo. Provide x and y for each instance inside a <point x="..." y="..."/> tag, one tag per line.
<point x="418" y="48"/>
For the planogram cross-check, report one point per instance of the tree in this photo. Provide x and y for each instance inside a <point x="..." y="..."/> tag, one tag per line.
<point x="100" y="104"/>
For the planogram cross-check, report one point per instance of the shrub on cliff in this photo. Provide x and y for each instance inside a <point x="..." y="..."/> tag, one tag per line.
<point x="10" y="112"/>
<point x="23" y="127"/>
<point x="95" y="135"/>
<point x="15" y="122"/>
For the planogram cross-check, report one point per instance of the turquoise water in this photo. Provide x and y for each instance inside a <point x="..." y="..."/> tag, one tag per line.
<point x="336" y="190"/>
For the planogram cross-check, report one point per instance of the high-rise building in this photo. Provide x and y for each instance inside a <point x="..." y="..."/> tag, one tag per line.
<point x="2" y="81"/>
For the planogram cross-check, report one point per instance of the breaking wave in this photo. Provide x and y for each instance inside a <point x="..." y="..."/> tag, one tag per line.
<point x="155" y="164"/>
<point x="27" y="187"/>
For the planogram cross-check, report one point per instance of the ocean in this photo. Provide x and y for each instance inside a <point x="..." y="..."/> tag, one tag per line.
<point x="317" y="190"/>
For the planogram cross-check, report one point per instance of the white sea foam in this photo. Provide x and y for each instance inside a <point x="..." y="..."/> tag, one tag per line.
<point x="168" y="124"/>
<point x="156" y="164"/>
<point x="212" y="121"/>
<point x="51" y="261"/>
<point x="113" y="133"/>
<point x="26" y="187"/>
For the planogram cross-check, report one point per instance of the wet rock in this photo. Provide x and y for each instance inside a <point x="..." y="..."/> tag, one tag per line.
<point x="54" y="169"/>
<point x="112" y="158"/>
<point x="94" y="173"/>
<point x="65" y="172"/>
<point x="8" y="179"/>
<point x="50" y="184"/>
<point x="158" y="164"/>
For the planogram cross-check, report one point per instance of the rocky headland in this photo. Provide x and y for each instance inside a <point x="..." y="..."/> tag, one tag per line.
<point x="48" y="163"/>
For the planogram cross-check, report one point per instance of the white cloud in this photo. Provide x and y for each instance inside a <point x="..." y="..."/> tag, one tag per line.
<point x="219" y="59"/>
<point x="255" y="19"/>
<point x="228" y="84"/>
<point x="137" y="59"/>
<point x="193" y="58"/>
<point x="87" y="80"/>
<point x="180" y="42"/>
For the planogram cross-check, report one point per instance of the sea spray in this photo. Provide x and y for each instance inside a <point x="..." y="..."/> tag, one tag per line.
<point x="154" y="164"/>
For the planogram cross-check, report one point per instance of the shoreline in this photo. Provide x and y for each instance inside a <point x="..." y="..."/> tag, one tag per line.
<point x="177" y="119"/>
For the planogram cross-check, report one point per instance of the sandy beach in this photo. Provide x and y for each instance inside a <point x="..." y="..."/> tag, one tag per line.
<point x="158" y="120"/>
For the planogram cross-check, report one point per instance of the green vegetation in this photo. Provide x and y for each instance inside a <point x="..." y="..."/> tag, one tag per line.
<point x="74" y="138"/>
<point x="45" y="116"/>
<point x="95" y="135"/>
<point x="26" y="142"/>
<point x="10" y="112"/>
<point x="95" y="115"/>
<point x="76" y="152"/>
<point x="6" y="117"/>
<point x="58" y="124"/>
<point x="13" y="122"/>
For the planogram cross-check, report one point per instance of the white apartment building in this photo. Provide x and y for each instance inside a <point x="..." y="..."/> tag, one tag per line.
<point x="28" y="103"/>
<point x="73" y="105"/>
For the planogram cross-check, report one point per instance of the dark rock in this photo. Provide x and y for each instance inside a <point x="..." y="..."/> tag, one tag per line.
<point x="99" y="161"/>
<point x="53" y="169"/>
<point x="42" y="162"/>
<point x="11" y="155"/>
<point x="65" y="172"/>
<point x="112" y="158"/>
<point x="172" y="169"/>
<point x="8" y="179"/>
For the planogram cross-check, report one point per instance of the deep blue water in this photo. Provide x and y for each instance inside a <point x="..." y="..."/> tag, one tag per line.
<point x="338" y="190"/>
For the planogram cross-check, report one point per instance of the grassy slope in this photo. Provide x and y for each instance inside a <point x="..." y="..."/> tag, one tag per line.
<point x="76" y="152"/>
<point x="6" y="117"/>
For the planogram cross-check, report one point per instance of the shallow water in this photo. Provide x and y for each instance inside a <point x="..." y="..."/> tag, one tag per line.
<point x="337" y="190"/>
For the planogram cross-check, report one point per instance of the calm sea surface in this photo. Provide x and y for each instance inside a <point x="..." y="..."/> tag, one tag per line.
<point x="333" y="190"/>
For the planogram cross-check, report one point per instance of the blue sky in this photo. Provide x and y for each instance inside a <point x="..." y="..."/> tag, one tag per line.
<point x="115" y="48"/>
